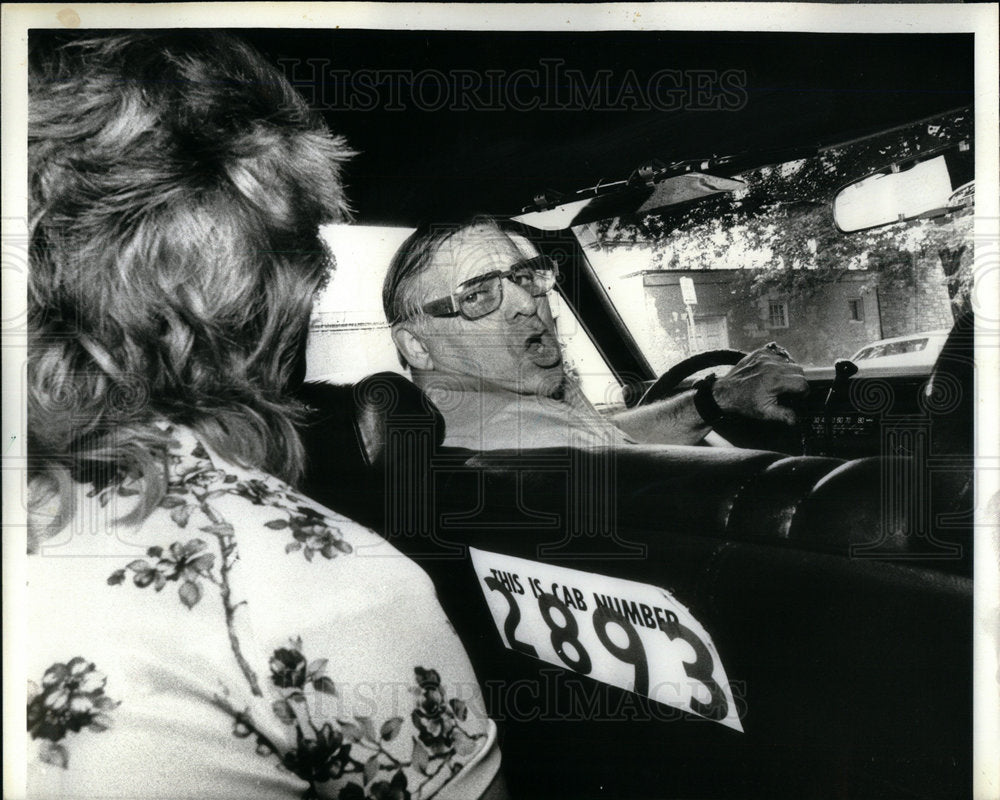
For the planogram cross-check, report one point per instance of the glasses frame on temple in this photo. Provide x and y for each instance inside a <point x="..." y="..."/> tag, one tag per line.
<point x="451" y="306"/>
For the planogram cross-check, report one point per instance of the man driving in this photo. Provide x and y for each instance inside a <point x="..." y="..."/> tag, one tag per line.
<point x="470" y="316"/>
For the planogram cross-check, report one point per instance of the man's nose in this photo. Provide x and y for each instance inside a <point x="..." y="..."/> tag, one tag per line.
<point x="517" y="300"/>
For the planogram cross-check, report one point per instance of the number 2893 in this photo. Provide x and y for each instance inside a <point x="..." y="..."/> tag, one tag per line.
<point x="564" y="636"/>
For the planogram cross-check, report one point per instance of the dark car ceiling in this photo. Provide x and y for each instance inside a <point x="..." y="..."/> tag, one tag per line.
<point x="801" y="90"/>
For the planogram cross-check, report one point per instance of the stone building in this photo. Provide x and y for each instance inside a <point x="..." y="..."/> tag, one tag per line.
<point x="817" y="327"/>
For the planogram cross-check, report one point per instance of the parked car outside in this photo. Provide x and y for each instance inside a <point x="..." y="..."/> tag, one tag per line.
<point x="918" y="349"/>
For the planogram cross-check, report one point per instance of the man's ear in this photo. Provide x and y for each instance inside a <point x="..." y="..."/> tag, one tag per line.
<point x="412" y="347"/>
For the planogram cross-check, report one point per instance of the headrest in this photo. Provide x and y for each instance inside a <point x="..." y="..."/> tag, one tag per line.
<point x="353" y="431"/>
<point x="359" y="417"/>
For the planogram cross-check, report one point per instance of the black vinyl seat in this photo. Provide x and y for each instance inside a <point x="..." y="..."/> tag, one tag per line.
<point x="354" y="436"/>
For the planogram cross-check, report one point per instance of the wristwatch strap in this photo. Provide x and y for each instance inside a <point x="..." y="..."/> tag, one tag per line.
<point x="704" y="401"/>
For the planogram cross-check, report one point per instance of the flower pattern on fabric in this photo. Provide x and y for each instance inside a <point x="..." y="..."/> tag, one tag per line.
<point x="311" y="533"/>
<point x="438" y="720"/>
<point x="355" y="758"/>
<point x="374" y="759"/>
<point x="186" y="563"/>
<point x="194" y="483"/>
<point x="71" y="698"/>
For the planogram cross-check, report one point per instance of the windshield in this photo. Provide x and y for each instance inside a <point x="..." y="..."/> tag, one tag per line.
<point x="767" y="262"/>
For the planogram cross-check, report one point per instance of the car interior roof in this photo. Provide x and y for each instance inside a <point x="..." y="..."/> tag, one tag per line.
<point x="802" y="91"/>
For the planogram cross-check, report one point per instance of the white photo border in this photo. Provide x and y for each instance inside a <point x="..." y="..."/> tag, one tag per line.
<point x="980" y="19"/>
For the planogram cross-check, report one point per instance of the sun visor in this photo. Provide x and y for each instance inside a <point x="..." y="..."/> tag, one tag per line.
<point x="684" y="188"/>
<point x="630" y="201"/>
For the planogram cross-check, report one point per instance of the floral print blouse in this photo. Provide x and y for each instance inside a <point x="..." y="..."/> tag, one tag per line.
<point x="242" y="642"/>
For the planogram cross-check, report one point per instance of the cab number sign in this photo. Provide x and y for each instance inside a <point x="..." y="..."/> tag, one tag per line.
<point x="627" y="634"/>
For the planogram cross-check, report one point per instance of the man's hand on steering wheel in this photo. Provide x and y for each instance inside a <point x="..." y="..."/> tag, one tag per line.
<point x="755" y="386"/>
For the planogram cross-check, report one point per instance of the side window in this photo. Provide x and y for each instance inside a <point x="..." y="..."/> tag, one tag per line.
<point x="348" y="335"/>
<point x="583" y="360"/>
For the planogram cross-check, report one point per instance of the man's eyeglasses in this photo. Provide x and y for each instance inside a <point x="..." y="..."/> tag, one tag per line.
<point x="482" y="295"/>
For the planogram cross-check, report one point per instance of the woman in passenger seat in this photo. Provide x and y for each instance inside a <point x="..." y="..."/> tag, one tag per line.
<point x="198" y="628"/>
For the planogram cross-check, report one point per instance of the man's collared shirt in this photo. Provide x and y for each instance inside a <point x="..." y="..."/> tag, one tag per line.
<point x="482" y="416"/>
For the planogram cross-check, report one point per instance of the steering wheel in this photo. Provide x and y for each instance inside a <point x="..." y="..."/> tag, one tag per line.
<point x="667" y="383"/>
<point x="730" y="431"/>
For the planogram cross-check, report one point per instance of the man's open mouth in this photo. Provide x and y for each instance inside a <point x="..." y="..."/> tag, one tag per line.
<point x="542" y="349"/>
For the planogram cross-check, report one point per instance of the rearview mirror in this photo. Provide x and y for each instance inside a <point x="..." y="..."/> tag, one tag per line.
<point x="927" y="186"/>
